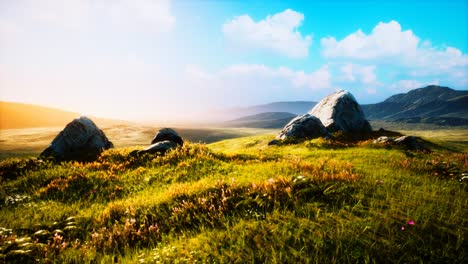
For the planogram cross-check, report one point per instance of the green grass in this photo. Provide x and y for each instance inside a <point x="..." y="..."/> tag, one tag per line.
<point x="239" y="201"/>
<point x="30" y="142"/>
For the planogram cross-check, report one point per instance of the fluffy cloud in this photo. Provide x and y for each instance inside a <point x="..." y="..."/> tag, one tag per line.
<point x="358" y="73"/>
<point x="278" y="33"/>
<point x="389" y="45"/>
<point x="386" y="39"/>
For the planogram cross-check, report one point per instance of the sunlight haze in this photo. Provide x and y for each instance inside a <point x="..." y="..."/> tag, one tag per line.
<point x="185" y="60"/>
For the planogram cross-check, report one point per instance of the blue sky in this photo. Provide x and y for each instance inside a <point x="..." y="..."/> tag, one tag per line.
<point x="164" y="60"/>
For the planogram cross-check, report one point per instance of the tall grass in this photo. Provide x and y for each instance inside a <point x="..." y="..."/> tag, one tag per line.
<point x="239" y="201"/>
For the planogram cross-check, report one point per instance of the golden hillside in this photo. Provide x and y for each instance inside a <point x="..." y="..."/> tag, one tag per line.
<point x="19" y="115"/>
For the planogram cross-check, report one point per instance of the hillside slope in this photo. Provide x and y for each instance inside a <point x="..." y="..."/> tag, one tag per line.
<point x="19" y="115"/>
<point x="429" y="104"/>
<point x="238" y="201"/>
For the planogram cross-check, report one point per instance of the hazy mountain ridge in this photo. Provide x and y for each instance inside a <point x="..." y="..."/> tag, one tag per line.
<point x="262" y="120"/>
<point x="293" y="107"/>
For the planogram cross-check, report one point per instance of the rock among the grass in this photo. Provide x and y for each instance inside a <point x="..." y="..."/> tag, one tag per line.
<point x="407" y="142"/>
<point x="159" y="147"/>
<point x="410" y="142"/>
<point x="80" y="140"/>
<point x="274" y="142"/>
<point x="341" y="112"/>
<point x="303" y="127"/>
<point x="167" y="134"/>
<point x="384" y="140"/>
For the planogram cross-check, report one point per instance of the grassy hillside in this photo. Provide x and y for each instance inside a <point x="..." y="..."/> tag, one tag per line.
<point x="239" y="201"/>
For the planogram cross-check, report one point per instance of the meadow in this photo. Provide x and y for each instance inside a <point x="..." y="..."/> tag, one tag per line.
<point x="30" y="142"/>
<point x="237" y="200"/>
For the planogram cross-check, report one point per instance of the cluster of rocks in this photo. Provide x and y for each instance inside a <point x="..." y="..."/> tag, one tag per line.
<point x="337" y="112"/>
<point x="164" y="140"/>
<point x="82" y="140"/>
<point x="408" y="142"/>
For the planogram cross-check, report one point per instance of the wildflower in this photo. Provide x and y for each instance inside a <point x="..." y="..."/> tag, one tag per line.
<point x="411" y="222"/>
<point x="402" y="228"/>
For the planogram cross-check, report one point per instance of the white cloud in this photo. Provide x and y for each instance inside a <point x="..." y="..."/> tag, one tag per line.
<point x="278" y="33"/>
<point x="358" y="73"/>
<point x="386" y="39"/>
<point x="430" y="61"/>
<point x="389" y="45"/>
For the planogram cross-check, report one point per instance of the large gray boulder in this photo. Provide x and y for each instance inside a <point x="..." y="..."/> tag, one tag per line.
<point x="167" y="134"/>
<point x="80" y="140"/>
<point x="341" y="112"/>
<point x="303" y="127"/>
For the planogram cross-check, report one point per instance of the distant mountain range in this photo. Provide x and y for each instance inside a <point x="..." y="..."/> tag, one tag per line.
<point x="19" y="115"/>
<point x="293" y="107"/>
<point x="431" y="105"/>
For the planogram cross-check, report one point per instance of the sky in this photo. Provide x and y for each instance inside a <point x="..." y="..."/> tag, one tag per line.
<point x="184" y="59"/>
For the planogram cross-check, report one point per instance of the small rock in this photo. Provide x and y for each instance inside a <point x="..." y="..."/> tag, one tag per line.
<point x="167" y="134"/>
<point x="383" y="140"/>
<point x="274" y="142"/>
<point x="410" y="142"/>
<point x="303" y="127"/>
<point x="160" y="147"/>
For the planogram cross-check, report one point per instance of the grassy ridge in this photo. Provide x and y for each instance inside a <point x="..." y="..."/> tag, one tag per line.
<point x="239" y="200"/>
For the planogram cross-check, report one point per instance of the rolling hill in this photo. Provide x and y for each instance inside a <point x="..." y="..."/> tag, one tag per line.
<point x="431" y="104"/>
<point x="19" y="115"/>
